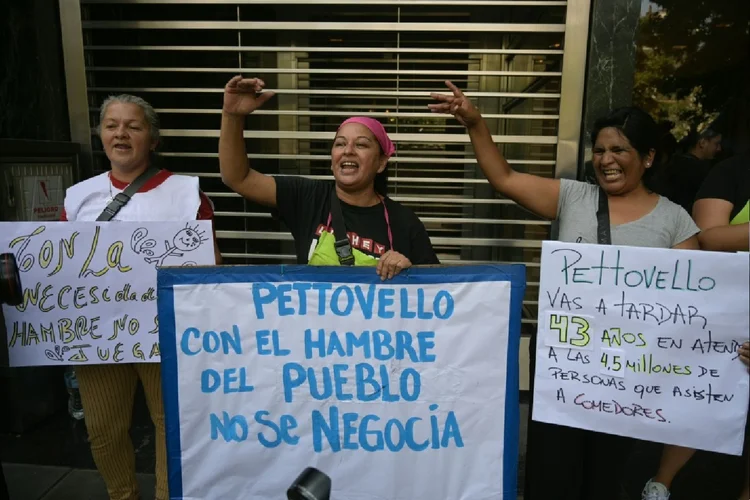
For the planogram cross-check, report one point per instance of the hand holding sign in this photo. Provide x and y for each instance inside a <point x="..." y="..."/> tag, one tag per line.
<point x="744" y="353"/>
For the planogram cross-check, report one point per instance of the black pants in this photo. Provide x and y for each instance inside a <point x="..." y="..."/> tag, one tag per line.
<point x="3" y="487"/>
<point x="563" y="463"/>
<point x="573" y="464"/>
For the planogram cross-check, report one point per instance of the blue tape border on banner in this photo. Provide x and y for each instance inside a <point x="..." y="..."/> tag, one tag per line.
<point x="167" y="278"/>
<point x="512" y="403"/>
<point x="170" y="394"/>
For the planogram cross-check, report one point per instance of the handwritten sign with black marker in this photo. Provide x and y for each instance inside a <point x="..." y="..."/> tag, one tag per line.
<point x="643" y="343"/>
<point x="269" y="369"/>
<point x="90" y="288"/>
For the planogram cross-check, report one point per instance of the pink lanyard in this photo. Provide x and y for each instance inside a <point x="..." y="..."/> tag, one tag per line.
<point x="387" y="222"/>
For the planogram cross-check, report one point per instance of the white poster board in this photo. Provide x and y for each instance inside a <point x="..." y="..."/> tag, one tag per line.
<point x="643" y="342"/>
<point x="399" y="389"/>
<point x="90" y="287"/>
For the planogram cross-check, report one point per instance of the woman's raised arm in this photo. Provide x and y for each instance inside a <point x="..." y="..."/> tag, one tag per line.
<point x="241" y="97"/>
<point x="536" y="194"/>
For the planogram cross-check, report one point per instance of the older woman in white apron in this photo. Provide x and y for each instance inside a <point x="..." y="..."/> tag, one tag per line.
<point x="133" y="190"/>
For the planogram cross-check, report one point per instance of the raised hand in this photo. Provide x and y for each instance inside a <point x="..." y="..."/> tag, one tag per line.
<point x="242" y="96"/>
<point x="457" y="105"/>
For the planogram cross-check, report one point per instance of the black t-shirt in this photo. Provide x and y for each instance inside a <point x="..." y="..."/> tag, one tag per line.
<point x="304" y="205"/>
<point x="681" y="179"/>
<point x="730" y="181"/>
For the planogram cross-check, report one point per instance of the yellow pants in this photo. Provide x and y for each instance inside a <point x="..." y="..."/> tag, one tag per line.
<point x="107" y="394"/>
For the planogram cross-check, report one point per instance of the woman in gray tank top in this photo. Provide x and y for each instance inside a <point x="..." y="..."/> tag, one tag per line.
<point x="624" y="150"/>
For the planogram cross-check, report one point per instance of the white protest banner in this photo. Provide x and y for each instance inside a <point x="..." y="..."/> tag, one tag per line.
<point x="642" y="342"/>
<point x="400" y="389"/>
<point x="90" y="287"/>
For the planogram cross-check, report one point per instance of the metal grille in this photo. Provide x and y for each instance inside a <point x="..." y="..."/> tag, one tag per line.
<point x="327" y="60"/>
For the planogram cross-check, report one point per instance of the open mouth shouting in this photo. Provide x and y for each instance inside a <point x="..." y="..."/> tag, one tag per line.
<point x="348" y="167"/>
<point x="611" y="174"/>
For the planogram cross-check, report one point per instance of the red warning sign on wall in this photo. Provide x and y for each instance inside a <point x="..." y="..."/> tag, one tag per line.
<point x="44" y="197"/>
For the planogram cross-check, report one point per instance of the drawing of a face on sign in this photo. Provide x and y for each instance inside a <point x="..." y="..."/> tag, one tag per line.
<point x="186" y="240"/>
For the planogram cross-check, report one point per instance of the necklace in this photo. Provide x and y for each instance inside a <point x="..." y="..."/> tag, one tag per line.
<point x="111" y="195"/>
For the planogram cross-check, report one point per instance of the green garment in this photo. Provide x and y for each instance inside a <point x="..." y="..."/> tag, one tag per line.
<point x="325" y="253"/>
<point x="743" y="216"/>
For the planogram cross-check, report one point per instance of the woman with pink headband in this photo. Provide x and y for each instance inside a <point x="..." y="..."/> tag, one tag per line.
<point x="373" y="229"/>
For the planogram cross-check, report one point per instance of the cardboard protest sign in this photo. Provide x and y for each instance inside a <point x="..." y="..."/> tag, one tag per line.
<point x="642" y="342"/>
<point x="90" y="287"/>
<point x="381" y="385"/>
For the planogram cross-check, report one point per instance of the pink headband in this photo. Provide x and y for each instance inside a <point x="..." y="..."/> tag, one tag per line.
<point x="377" y="130"/>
